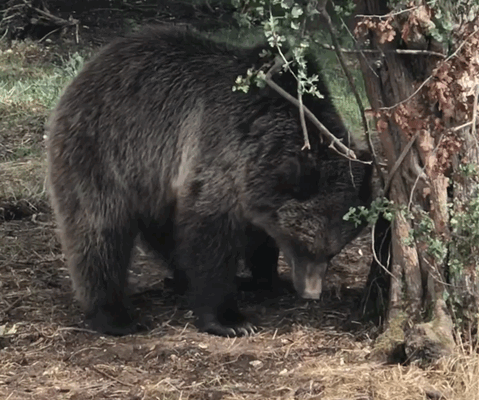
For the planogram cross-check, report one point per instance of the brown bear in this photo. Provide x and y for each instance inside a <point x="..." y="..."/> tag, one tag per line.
<point x="151" y="132"/>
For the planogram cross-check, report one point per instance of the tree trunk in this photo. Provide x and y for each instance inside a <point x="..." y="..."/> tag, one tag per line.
<point x="416" y="316"/>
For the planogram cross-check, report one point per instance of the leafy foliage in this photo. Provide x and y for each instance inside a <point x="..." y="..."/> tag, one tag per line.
<point x="283" y="23"/>
<point x="380" y="206"/>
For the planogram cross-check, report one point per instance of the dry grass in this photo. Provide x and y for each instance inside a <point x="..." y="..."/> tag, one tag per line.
<point x="304" y="350"/>
<point x="453" y="378"/>
<point x="23" y="179"/>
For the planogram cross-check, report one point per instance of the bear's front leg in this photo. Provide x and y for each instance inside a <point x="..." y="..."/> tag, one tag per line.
<point x="207" y="254"/>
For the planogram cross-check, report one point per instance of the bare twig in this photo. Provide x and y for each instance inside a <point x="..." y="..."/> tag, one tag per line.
<point x="307" y="145"/>
<point x="278" y="64"/>
<point x="12" y="305"/>
<point x="474" y="116"/>
<point x="48" y="34"/>
<point x="5" y="34"/>
<point x="388" y="14"/>
<point x="419" y="176"/>
<point x="416" y="52"/>
<point x="375" y="256"/>
<point x="422" y="172"/>
<point x="474" y="110"/>
<point x="106" y="9"/>
<point x="77" y="30"/>
<point x="75" y="329"/>
<point x="327" y="18"/>
<point x="462" y="126"/>
<point x="395" y="51"/>
<point x="106" y="375"/>
<point x="209" y="6"/>
<point x="399" y="162"/>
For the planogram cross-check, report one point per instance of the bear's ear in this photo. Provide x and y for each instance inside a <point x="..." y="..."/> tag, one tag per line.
<point x="288" y="175"/>
<point x="294" y="177"/>
<point x="298" y="178"/>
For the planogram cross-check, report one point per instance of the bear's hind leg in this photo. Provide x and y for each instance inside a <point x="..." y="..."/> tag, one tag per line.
<point x="160" y="238"/>
<point x="98" y="261"/>
<point x="261" y="258"/>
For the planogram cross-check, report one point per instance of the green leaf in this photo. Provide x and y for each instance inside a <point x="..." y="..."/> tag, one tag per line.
<point x="296" y="12"/>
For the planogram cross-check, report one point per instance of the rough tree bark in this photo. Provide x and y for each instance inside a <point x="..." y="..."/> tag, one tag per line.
<point x="416" y="315"/>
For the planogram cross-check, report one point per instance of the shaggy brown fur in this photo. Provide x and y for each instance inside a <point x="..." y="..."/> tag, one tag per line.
<point x="151" y="132"/>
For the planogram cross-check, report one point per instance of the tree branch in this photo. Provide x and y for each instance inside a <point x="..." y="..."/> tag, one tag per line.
<point x="307" y="145"/>
<point x="345" y="151"/>
<point x="322" y="9"/>
<point x="395" y="51"/>
<point x="281" y="60"/>
<point x="388" y="14"/>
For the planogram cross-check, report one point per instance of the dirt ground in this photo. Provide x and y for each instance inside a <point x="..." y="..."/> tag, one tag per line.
<point x="46" y="354"/>
<point x="303" y="350"/>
